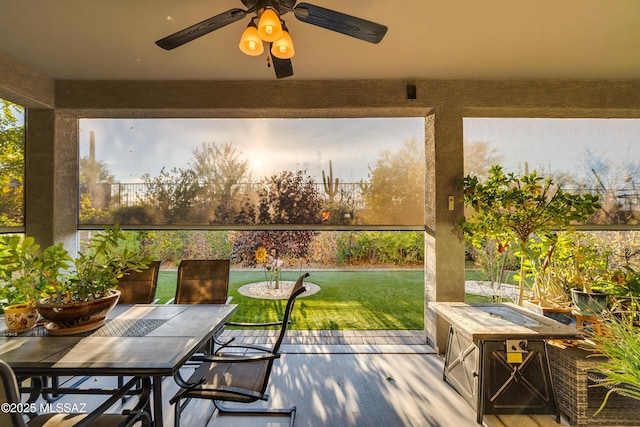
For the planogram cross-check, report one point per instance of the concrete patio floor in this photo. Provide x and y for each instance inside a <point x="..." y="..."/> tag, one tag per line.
<point x="349" y="378"/>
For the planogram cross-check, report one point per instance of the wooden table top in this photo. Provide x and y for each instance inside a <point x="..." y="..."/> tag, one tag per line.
<point x="169" y="336"/>
<point x="499" y="321"/>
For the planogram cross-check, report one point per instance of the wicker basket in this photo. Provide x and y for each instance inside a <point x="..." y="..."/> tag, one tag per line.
<point x="577" y="397"/>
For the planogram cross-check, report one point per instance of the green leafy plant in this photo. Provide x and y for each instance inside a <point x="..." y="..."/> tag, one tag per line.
<point x="379" y="247"/>
<point x="512" y="209"/>
<point x="623" y="281"/>
<point x="104" y="259"/>
<point x="12" y="161"/>
<point x="623" y="286"/>
<point x="577" y="261"/>
<point x="547" y="267"/>
<point x="26" y="271"/>
<point x="620" y="373"/>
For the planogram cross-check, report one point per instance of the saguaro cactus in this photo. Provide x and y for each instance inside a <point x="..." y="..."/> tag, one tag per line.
<point x="330" y="184"/>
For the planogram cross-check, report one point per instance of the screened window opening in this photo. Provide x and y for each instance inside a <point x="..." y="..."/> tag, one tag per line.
<point x="252" y="172"/>
<point x="12" y="148"/>
<point x="596" y="156"/>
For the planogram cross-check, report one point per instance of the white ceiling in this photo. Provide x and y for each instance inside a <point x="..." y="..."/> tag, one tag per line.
<point x="114" y="39"/>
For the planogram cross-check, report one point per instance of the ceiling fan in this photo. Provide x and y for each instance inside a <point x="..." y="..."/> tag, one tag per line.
<point x="267" y="26"/>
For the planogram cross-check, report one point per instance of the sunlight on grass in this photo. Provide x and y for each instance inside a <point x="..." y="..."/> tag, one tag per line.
<point x="354" y="299"/>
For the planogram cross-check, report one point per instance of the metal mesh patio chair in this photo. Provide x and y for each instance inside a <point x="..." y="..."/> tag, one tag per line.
<point x="9" y="394"/>
<point x="139" y="287"/>
<point x="203" y="281"/>
<point x="241" y="375"/>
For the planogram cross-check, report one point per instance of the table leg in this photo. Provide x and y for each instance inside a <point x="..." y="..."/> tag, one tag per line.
<point x="480" y="370"/>
<point x="158" y="420"/>
<point x="447" y="354"/>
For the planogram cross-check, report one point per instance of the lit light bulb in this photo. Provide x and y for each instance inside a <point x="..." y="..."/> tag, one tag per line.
<point x="269" y="26"/>
<point x="283" y="47"/>
<point x="250" y="43"/>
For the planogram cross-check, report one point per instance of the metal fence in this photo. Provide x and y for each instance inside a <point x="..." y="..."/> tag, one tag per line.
<point x="122" y="194"/>
<point x="619" y="206"/>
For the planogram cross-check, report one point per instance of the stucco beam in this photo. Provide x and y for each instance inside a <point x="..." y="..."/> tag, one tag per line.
<point x="25" y="86"/>
<point x="507" y="98"/>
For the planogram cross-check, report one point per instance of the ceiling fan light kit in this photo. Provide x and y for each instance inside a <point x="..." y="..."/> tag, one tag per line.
<point x="272" y="29"/>
<point x="269" y="26"/>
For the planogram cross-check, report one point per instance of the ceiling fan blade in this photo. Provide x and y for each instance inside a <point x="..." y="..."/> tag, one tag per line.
<point x="335" y="21"/>
<point x="201" y="28"/>
<point x="282" y="67"/>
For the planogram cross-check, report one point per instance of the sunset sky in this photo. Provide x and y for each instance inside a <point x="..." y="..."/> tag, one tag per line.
<point x="132" y="147"/>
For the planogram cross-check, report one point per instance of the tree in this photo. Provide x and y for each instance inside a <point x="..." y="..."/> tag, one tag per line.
<point x="11" y="164"/>
<point x="94" y="172"/>
<point x="510" y="208"/>
<point x="479" y="157"/>
<point x="174" y="195"/>
<point x="617" y="183"/>
<point x="395" y="191"/>
<point x="220" y="170"/>
<point x="285" y="198"/>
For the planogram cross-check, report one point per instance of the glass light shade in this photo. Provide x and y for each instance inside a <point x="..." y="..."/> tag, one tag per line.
<point x="283" y="47"/>
<point x="269" y="26"/>
<point x="250" y="43"/>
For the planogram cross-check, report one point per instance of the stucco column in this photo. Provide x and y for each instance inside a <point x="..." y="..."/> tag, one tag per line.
<point x="51" y="177"/>
<point x="444" y="245"/>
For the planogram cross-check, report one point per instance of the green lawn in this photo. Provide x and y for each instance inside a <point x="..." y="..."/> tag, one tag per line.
<point x="356" y="299"/>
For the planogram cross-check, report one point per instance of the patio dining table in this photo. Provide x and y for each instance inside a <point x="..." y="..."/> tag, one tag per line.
<point x="143" y="340"/>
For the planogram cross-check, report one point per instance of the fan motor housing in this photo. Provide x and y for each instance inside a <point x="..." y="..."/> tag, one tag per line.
<point x="249" y="4"/>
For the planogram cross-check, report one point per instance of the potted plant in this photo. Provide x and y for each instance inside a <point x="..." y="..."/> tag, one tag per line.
<point x="516" y="209"/>
<point x="25" y="273"/>
<point x="623" y="289"/>
<point x="82" y="301"/>
<point x="587" y="270"/>
<point x="546" y="266"/>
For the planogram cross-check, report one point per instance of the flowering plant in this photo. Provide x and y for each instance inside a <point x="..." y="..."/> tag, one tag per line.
<point x="261" y="255"/>
<point x="271" y="262"/>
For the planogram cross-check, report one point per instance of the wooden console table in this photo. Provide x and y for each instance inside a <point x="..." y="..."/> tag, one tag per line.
<point x="496" y="357"/>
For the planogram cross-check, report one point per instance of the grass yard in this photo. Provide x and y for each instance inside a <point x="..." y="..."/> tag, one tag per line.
<point x="356" y="299"/>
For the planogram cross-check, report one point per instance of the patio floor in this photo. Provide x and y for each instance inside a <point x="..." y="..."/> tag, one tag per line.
<point x="351" y="378"/>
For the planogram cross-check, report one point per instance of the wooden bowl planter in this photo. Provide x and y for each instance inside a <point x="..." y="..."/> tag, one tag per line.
<point x="76" y="317"/>
<point x="78" y="293"/>
<point x="20" y="317"/>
